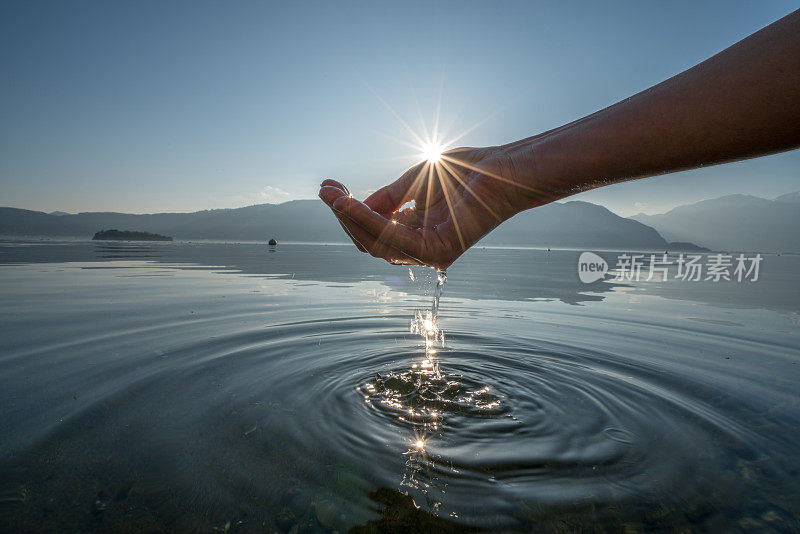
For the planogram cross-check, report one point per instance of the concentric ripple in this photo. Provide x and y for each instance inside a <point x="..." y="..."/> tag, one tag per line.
<point x="537" y="428"/>
<point x="269" y="418"/>
<point x="427" y="399"/>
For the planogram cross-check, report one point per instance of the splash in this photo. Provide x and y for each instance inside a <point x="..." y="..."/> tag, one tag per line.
<point x="422" y="395"/>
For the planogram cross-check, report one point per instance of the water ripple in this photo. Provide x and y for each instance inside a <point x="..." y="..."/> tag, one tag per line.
<point x="535" y="421"/>
<point x="495" y="430"/>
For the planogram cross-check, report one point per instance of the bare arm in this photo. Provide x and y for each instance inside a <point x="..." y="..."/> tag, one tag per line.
<point x="743" y="102"/>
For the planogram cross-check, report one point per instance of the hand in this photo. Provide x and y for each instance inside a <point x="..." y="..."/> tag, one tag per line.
<point x="457" y="201"/>
<point x="733" y="106"/>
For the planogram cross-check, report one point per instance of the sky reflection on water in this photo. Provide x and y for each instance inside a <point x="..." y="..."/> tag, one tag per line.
<point x="184" y="386"/>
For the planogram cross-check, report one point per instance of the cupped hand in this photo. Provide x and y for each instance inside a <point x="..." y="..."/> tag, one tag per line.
<point x="456" y="201"/>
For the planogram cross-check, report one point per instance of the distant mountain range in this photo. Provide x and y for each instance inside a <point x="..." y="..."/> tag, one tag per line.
<point x="569" y="224"/>
<point x="297" y="220"/>
<point x="735" y="222"/>
<point x="575" y="224"/>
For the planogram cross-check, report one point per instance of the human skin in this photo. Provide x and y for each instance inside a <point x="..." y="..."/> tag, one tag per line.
<point x="741" y="103"/>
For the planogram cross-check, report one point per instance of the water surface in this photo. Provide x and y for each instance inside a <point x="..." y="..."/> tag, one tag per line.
<point x="201" y="386"/>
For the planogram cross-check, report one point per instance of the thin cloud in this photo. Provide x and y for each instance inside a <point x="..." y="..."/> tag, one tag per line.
<point x="273" y="195"/>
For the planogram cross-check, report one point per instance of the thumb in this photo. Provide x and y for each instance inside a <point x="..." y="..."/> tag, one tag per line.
<point x="389" y="198"/>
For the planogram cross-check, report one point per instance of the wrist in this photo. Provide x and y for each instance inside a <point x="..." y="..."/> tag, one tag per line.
<point x="536" y="172"/>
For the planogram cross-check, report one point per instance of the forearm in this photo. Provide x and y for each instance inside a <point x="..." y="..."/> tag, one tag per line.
<point x="743" y="102"/>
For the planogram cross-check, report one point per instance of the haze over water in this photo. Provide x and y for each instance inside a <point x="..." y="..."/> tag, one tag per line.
<point x="193" y="386"/>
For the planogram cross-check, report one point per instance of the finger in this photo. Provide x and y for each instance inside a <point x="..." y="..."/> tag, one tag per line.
<point x="329" y="193"/>
<point x="385" y="231"/>
<point x="377" y="249"/>
<point x="356" y="241"/>
<point x="334" y="183"/>
<point x="408" y="217"/>
<point x="388" y="198"/>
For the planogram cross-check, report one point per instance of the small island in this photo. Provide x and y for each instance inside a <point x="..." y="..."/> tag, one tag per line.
<point x="126" y="235"/>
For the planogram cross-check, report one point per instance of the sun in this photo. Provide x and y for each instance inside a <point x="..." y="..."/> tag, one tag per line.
<point x="440" y="161"/>
<point x="432" y="152"/>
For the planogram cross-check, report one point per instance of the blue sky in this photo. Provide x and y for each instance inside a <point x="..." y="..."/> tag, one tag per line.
<point x="178" y="106"/>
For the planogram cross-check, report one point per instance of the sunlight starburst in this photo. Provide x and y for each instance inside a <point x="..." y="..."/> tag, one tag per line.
<point x="432" y="152"/>
<point x="443" y="172"/>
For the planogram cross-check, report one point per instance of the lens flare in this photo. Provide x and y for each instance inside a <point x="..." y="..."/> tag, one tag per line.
<point x="432" y="152"/>
<point x="452" y="168"/>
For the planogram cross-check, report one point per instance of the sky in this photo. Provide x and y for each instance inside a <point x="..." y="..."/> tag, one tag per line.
<point x="153" y="106"/>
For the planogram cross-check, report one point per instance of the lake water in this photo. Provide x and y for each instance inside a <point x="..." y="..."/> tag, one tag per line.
<point x="197" y="386"/>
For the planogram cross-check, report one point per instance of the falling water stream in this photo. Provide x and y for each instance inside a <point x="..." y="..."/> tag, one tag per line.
<point x="423" y="396"/>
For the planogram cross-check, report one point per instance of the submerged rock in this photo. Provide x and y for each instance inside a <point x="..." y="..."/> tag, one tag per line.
<point x="327" y="513"/>
<point x="401" y="514"/>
